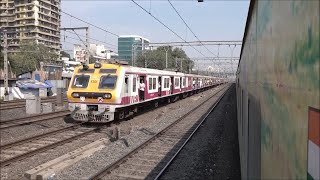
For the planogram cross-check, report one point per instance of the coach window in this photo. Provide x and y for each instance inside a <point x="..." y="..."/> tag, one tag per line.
<point x="154" y="83"/>
<point x="134" y="84"/>
<point x="81" y="81"/>
<point x="126" y="84"/>
<point x="184" y="82"/>
<point x="176" y="82"/>
<point x="166" y="83"/>
<point x="108" y="82"/>
<point x="150" y="83"/>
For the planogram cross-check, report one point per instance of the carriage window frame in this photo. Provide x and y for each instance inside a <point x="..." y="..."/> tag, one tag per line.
<point x="115" y="82"/>
<point x="75" y="79"/>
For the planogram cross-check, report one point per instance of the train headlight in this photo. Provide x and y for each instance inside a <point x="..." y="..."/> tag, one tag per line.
<point x="75" y="95"/>
<point x="107" y="96"/>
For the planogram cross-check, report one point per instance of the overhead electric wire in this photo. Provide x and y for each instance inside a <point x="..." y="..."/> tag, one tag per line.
<point x="114" y="50"/>
<point x="166" y="26"/>
<point x="90" y="24"/>
<point x="190" y="28"/>
<point x="92" y="39"/>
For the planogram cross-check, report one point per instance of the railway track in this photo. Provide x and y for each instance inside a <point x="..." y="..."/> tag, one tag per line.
<point x="32" y="119"/>
<point x="6" y="105"/>
<point x="151" y="158"/>
<point x="31" y="146"/>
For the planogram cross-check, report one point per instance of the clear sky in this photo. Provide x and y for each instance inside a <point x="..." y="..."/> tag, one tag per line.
<point x="209" y="20"/>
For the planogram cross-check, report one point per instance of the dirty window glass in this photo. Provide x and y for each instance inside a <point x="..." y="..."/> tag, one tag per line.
<point x="81" y="81"/>
<point x="108" y="82"/>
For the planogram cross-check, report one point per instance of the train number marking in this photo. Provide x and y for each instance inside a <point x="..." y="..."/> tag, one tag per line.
<point x="93" y="81"/>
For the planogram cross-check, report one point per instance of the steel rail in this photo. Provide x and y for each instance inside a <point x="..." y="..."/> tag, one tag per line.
<point x="121" y="160"/>
<point x="44" y="148"/>
<point x="17" y="122"/>
<point x="8" y="145"/>
<point x="20" y="104"/>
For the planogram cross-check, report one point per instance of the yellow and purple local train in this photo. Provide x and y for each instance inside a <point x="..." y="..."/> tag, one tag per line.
<point x="105" y="92"/>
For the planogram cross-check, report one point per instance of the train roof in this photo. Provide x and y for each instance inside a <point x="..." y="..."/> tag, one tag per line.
<point x="138" y="70"/>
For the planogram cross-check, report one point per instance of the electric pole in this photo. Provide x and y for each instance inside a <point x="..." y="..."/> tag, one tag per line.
<point x="87" y="46"/>
<point x="5" y="67"/>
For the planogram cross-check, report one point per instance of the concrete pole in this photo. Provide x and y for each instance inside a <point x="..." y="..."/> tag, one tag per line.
<point x="87" y="46"/>
<point x="5" y="67"/>
<point x="181" y="65"/>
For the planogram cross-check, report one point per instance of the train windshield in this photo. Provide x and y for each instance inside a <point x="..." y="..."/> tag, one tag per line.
<point x="108" y="82"/>
<point x="81" y="81"/>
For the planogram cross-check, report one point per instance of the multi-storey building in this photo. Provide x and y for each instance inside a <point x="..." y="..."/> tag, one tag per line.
<point x="31" y="20"/>
<point x="129" y="46"/>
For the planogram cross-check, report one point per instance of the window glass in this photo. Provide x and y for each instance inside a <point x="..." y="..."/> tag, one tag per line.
<point x="108" y="82"/>
<point x="81" y="81"/>
<point x="168" y="82"/>
<point x="126" y="84"/>
<point x="176" y="82"/>
<point x="150" y="83"/>
<point x="134" y="84"/>
<point x="154" y="83"/>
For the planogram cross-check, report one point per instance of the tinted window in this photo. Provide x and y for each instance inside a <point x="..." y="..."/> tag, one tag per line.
<point x="108" y="82"/>
<point x="81" y="81"/>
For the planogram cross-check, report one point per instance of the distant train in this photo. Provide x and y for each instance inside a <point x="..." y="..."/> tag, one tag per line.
<point x="105" y="92"/>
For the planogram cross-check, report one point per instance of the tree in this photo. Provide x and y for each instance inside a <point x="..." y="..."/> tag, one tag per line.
<point x="29" y="57"/>
<point x="65" y="54"/>
<point x="156" y="59"/>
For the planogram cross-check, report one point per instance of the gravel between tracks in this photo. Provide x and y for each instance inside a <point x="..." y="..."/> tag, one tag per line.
<point x="139" y="129"/>
<point x="17" y="169"/>
<point x="12" y="113"/>
<point x="213" y="151"/>
<point x="25" y="131"/>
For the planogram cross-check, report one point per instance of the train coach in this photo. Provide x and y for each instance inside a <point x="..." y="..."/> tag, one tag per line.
<point x="103" y="92"/>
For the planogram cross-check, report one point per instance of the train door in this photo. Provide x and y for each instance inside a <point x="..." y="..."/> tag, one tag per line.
<point x="133" y="88"/>
<point x="171" y="84"/>
<point x="126" y="93"/>
<point x="142" y="87"/>
<point x="159" y="86"/>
